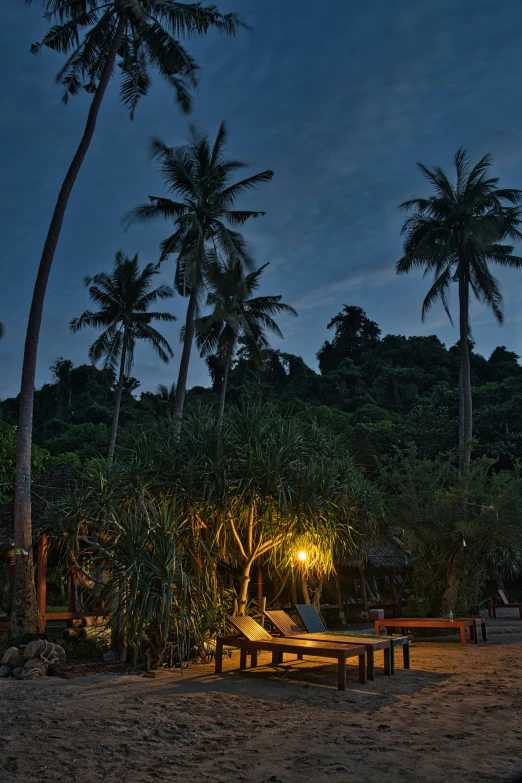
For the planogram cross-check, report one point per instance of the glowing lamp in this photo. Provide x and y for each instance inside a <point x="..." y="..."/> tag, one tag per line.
<point x="302" y="555"/>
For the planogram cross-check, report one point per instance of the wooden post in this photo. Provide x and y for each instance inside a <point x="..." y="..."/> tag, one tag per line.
<point x="260" y="584"/>
<point x="394" y="592"/>
<point x="71" y="590"/>
<point x="293" y="594"/>
<point x="363" y="591"/>
<point x="41" y="584"/>
<point x="339" y="599"/>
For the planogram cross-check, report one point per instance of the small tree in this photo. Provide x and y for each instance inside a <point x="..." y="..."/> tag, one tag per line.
<point x="124" y="298"/>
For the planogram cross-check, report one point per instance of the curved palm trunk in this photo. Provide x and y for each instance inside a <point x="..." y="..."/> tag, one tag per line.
<point x="24" y="617"/>
<point x="121" y="379"/>
<point x="179" y="398"/>
<point x="465" y="401"/>
<point x="223" y="392"/>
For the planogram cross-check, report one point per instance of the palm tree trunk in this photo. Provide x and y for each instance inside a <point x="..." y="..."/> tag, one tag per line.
<point x="465" y="401"/>
<point x="121" y="379"/>
<point x="181" y="386"/>
<point x="24" y="618"/>
<point x="223" y="392"/>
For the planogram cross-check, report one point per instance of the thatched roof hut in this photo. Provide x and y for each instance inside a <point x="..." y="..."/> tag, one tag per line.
<point x="44" y="491"/>
<point x="379" y="556"/>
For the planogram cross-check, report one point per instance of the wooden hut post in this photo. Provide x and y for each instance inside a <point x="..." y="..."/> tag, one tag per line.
<point x="394" y="592"/>
<point x="339" y="599"/>
<point x="71" y="590"/>
<point x="41" y="583"/>
<point x="293" y="593"/>
<point x="363" y="591"/>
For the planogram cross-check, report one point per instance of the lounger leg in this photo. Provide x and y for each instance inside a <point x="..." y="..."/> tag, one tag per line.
<point x="341" y="671"/>
<point x="387" y="660"/>
<point x="253" y="659"/>
<point x="362" y="669"/>
<point x="392" y="657"/>
<point x="370" y="663"/>
<point x="277" y="657"/>
<point x="218" y="656"/>
<point x="462" y="629"/>
<point x="406" y="655"/>
<point x="243" y="657"/>
<point x="484" y="633"/>
<point x="300" y="657"/>
<point x="473" y="637"/>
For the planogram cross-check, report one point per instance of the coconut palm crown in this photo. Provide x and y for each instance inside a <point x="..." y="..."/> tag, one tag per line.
<point x="148" y="38"/>
<point x="454" y="235"/>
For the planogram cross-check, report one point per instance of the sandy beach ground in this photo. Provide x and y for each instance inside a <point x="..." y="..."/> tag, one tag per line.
<point x="455" y="716"/>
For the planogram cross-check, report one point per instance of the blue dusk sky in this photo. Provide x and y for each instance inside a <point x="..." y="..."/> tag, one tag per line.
<point x="341" y="99"/>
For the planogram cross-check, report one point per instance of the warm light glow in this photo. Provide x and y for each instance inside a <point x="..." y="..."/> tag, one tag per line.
<point x="302" y="555"/>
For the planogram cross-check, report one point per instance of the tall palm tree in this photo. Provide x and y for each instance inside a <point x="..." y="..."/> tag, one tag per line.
<point x="455" y="234"/>
<point x="237" y="316"/>
<point x="124" y="298"/>
<point x="95" y="34"/>
<point x="203" y="220"/>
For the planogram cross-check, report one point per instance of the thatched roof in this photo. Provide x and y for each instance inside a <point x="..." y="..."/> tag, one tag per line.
<point x="45" y="490"/>
<point x="379" y="556"/>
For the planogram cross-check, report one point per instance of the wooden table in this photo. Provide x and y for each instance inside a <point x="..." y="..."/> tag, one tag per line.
<point x="371" y="645"/>
<point x="458" y="624"/>
<point x="299" y="647"/>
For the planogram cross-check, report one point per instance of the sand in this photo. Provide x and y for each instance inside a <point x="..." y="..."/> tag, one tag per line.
<point x="455" y="716"/>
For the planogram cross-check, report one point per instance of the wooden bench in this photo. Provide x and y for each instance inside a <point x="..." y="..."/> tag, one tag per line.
<point x="254" y="638"/>
<point x="503" y="604"/>
<point x="458" y="624"/>
<point x="287" y="628"/>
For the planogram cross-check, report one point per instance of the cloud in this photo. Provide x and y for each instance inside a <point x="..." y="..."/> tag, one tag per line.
<point x="326" y="294"/>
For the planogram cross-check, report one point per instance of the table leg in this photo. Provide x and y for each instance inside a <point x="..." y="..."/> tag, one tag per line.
<point x="388" y="669"/>
<point x="341" y="671"/>
<point x="218" y="656"/>
<point x="406" y="655"/>
<point x="462" y="629"/>
<point x="473" y="634"/>
<point x="362" y="669"/>
<point x="243" y="657"/>
<point x="370" y="664"/>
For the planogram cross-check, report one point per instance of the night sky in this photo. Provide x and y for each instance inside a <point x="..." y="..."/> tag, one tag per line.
<point x="341" y="99"/>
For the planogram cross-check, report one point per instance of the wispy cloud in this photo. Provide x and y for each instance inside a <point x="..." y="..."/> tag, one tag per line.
<point x="326" y="294"/>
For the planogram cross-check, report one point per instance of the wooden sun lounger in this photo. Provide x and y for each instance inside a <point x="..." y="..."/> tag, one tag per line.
<point x="503" y="604"/>
<point x="287" y="628"/>
<point x="458" y="624"/>
<point x="254" y="638"/>
<point x="313" y="623"/>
